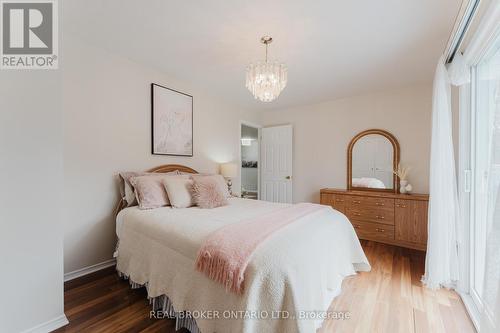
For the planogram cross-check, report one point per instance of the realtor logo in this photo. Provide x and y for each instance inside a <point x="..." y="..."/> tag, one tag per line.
<point x="29" y="34"/>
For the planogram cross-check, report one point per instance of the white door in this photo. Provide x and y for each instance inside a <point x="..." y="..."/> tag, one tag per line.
<point x="276" y="160"/>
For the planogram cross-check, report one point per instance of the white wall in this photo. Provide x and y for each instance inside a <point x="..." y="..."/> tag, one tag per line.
<point x="322" y="133"/>
<point x="107" y="128"/>
<point x="31" y="251"/>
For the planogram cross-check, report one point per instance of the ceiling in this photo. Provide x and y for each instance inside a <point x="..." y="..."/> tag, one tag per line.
<point x="333" y="48"/>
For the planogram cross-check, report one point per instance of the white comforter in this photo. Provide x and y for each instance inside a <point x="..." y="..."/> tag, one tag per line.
<point x="368" y="182"/>
<point x="299" y="268"/>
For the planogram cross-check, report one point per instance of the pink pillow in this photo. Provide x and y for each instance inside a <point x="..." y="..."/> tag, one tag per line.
<point x="149" y="190"/>
<point x="207" y="192"/>
<point x="221" y="182"/>
<point x="127" y="189"/>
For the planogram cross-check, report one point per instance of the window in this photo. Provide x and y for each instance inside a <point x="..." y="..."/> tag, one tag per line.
<point x="484" y="163"/>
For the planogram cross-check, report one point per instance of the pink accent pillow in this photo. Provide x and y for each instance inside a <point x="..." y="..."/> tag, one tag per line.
<point x="207" y="192"/>
<point x="127" y="189"/>
<point x="149" y="190"/>
<point x="221" y="182"/>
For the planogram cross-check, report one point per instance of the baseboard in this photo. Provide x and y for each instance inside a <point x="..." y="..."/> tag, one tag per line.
<point x="89" y="269"/>
<point x="471" y="308"/>
<point x="49" y="326"/>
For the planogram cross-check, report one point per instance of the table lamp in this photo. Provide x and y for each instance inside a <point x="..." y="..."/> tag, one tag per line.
<point x="229" y="171"/>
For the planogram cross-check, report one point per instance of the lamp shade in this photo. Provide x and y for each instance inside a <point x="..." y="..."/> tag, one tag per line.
<point x="229" y="170"/>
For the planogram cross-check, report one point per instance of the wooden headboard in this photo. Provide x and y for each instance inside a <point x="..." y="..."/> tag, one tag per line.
<point x="172" y="167"/>
<point x="159" y="169"/>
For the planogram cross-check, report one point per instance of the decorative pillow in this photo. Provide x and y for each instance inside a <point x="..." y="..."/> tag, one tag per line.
<point x="127" y="189"/>
<point x="219" y="180"/>
<point x="149" y="189"/>
<point x="149" y="192"/>
<point x="179" y="191"/>
<point x="207" y="193"/>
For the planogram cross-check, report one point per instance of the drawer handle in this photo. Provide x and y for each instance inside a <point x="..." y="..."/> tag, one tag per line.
<point x="357" y="214"/>
<point x="339" y="200"/>
<point x="380" y="217"/>
<point x="379" y="204"/>
<point x="356" y="201"/>
<point x="357" y="227"/>
<point x="380" y="230"/>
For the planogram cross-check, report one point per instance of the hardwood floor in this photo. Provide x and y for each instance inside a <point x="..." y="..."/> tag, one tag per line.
<point x="390" y="298"/>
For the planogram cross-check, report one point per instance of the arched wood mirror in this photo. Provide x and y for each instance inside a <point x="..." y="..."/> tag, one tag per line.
<point x="372" y="156"/>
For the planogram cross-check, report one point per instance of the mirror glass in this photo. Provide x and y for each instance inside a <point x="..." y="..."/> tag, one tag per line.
<point x="372" y="162"/>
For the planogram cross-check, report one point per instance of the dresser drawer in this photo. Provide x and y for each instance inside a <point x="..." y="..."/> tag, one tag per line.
<point x="376" y="210"/>
<point x="337" y="201"/>
<point x="363" y="214"/>
<point x="326" y="198"/>
<point x="372" y="202"/>
<point x="372" y="215"/>
<point x="374" y="231"/>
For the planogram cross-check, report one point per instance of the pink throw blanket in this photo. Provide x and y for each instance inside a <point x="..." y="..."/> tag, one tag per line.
<point x="226" y="253"/>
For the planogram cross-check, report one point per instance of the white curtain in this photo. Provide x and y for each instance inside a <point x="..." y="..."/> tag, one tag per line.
<point x="490" y="321"/>
<point x="441" y="262"/>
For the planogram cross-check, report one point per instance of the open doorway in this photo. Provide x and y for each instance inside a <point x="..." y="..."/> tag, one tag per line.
<point x="250" y="161"/>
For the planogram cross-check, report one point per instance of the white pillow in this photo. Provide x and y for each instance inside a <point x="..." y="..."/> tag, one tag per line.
<point x="179" y="191"/>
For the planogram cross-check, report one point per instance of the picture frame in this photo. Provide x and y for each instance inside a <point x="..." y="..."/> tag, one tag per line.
<point x="171" y="122"/>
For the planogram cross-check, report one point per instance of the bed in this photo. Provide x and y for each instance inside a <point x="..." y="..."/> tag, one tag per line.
<point x="289" y="283"/>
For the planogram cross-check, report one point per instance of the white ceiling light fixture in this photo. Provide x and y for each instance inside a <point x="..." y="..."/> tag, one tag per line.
<point x="266" y="80"/>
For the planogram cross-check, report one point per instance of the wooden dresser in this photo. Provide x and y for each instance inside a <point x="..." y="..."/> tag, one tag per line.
<point x="398" y="219"/>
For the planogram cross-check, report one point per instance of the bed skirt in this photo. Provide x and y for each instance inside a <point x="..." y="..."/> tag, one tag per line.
<point x="163" y="304"/>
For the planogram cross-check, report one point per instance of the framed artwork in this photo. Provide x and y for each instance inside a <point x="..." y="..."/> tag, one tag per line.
<point x="171" y="122"/>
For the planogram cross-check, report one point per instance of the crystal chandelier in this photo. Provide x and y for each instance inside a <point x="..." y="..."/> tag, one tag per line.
<point x="266" y="80"/>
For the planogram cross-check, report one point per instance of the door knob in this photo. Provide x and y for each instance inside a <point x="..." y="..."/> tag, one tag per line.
<point x="288" y="177"/>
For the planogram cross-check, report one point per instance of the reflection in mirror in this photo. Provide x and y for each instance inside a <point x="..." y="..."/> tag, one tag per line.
<point x="372" y="162"/>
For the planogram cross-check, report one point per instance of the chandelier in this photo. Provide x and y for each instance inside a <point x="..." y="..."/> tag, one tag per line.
<point x="266" y="80"/>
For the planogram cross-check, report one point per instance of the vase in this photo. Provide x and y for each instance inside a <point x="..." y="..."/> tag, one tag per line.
<point x="402" y="186"/>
